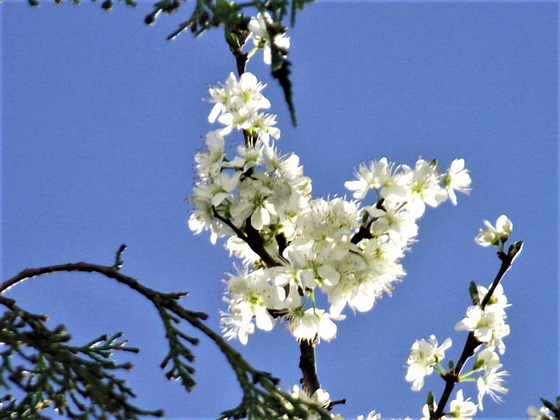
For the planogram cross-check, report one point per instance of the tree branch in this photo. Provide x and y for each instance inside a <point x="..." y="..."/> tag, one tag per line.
<point x="310" y="380"/>
<point x="157" y="298"/>
<point x="472" y="343"/>
<point x="257" y="386"/>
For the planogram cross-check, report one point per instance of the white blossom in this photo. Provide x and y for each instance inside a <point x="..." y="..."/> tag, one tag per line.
<point x="251" y="296"/>
<point x="372" y="415"/>
<point x="424" y="187"/>
<point x="534" y="413"/>
<point x="457" y="178"/>
<point x="312" y="323"/>
<point x="378" y="175"/>
<point x="491" y="383"/>
<point x="488" y="324"/>
<point x="209" y="163"/>
<point x="494" y="235"/>
<point x="257" y="26"/>
<point x="461" y="408"/>
<point x="337" y="247"/>
<point x="487" y="359"/>
<point x="236" y="102"/>
<point x="423" y="357"/>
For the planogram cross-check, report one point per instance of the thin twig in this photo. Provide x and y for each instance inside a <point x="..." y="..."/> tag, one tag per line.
<point x="109" y="272"/>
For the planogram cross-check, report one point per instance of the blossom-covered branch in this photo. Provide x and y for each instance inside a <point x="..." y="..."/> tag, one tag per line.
<point x="291" y="246"/>
<point x="485" y="321"/>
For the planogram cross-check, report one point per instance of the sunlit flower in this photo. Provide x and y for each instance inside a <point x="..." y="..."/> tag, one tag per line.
<point x="251" y="297"/>
<point x="258" y="27"/>
<point x="491" y="383"/>
<point x="236" y="102"/>
<point x="457" y="178"/>
<point x="424" y="187"/>
<point x="423" y="357"/>
<point x="312" y="323"/>
<point x="209" y="162"/>
<point x="372" y="415"/>
<point x="487" y="324"/>
<point x="376" y="176"/>
<point x="494" y="235"/>
<point x="487" y="359"/>
<point x="534" y="413"/>
<point x="461" y="408"/>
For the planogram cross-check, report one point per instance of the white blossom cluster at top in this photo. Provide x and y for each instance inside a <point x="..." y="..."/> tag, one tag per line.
<point x="292" y="246"/>
<point x="348" y="249"/>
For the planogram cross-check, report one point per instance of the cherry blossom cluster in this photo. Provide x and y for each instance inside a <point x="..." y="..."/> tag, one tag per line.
<point x="292" y="247"/>
<point x="486" y="320"/>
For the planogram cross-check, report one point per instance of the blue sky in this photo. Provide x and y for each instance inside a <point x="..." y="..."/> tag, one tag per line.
<point x="102" y="117"/>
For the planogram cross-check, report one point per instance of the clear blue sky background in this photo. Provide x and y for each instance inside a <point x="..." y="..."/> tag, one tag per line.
<point x="102" y="117"/>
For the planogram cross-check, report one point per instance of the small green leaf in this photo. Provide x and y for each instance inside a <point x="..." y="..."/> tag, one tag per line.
<point x="226" y="12"/>
<point x="515" y="250"/>
<point x="548" y="404"/>
<point x="282" y="73"/>
<point x="473" y="290"/>
<point x="430" y="400"/>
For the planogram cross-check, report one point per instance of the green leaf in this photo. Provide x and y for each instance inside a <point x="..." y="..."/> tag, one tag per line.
<point x="282" y="73"/>
<point x="430" y="399"/>
<point x="473" y="290"/>
<point x="515" y="250"/>
<point x="226" y="12"/>
<point x="548" y="404"/>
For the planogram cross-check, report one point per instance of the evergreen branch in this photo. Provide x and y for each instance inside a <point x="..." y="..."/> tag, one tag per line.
<point x="76" y="381"/>
<point x="261" y="396"/>
<point x="178" y="354"/>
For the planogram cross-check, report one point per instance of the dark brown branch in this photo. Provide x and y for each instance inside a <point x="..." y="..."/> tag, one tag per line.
<point x="363" y="233"/>
<point x="109" y="272"/>
<point x="365" y="228"/>
<point x="310" y="381"/>
<point x="251" y="238"/>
